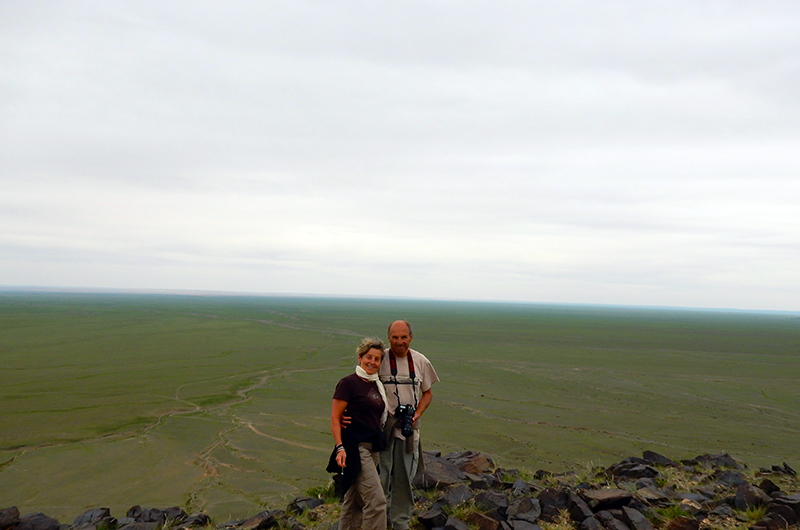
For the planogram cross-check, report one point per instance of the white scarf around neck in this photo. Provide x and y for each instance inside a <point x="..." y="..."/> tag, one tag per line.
<point x="360" y="372"/>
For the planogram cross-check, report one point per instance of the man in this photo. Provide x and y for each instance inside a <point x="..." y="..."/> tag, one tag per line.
<point x="407" y="376"/>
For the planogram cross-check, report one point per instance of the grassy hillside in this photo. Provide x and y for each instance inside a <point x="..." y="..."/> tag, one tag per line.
<point x="222" y="403"/>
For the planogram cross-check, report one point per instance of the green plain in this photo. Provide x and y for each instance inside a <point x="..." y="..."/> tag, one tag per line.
<point x="222" y="403"/>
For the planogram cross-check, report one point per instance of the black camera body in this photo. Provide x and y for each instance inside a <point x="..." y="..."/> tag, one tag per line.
<point x="405" y="415"/>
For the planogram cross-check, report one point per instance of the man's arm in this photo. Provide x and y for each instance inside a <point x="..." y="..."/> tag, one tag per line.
<point x="424" y="401"/>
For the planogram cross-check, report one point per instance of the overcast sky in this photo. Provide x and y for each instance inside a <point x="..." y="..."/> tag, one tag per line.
<point x="638" y="153"/>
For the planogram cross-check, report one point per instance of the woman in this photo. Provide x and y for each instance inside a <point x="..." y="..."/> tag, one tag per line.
<point x="363" y="398"/>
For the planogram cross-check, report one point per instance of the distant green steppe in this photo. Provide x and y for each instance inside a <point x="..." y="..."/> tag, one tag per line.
<point x="222" y="404"/>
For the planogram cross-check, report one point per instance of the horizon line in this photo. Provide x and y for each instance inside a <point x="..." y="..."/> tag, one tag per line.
<point x="258" y="294"/>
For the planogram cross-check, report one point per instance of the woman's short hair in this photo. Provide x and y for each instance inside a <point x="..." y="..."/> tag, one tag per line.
<point x="368" y="344"/>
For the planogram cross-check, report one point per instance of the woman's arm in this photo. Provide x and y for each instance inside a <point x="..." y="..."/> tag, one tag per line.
<point x="337" y="410"/>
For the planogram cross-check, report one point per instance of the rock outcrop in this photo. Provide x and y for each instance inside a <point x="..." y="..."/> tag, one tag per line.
<point x="633" y="494"/>
<point x="463" y="491"/>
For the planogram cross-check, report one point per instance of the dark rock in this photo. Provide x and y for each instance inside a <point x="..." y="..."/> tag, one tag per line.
<point x="9" y="518"/>
<point x="670" y="493"/>
<point x="153" y="515"/>
<point x="302" y="504"/>
<point x="491" y="500"/>
<point x="524" y="509"/>
<point x="552" y="501"/>
<point x="651" y="494"/>
<point x="455" y="524"/>
<point x="138" y="525"/>
<point x="37" y="521"/>
<point x="655" y="459"/>
<point x="519" y="487"/>
<point x="92" y="516"/>
<point x="784" y="512"/>
<point x="691" y="507"/>
<point x="438" y="473"/>
<point x="432" y="518"/>
<point x="174" y="515"/>
<point x="135" y="512"/>
<point x="457" y="494"/>
<point x="197" y="520"/>
<point x="769" y="523"/>
<point x="591" y="523"/>
<point x="729" y="478"/>
<point x="792" y="501"/>
<point x="640" y="471"/>
<point x="683" y="523"/>
<point x="768" y="487"/>
<point x="637" y="505"/>
<point x="578" y="509"/>
<point x="646" y="483"/>
<point x="261" y="521"/>
<point x="635" y="519"/>
<point x="95" y="520"/>
<point x="520" y="524"/>
<point x="290" y="523"/>
<point x="483" y="522"/>
<point x="730" y="500"/>
<point x="692" y="496"/>
<point x="749" y="496"/>
<point x="708" y="492"/>
<point x="604" y="516"/>
<point x="542" y="474"/>
<point x="722" y="460"/>
<point x="606" y="498"/>
<point x="493" y="503"/>
<point x="610" y="522"/>
<point x="108" y="524"/>
<point x="470" y="462"/>
<point x="723" y="510"/>
<point x="632" y="468"/>
<point x="482" y="481"/>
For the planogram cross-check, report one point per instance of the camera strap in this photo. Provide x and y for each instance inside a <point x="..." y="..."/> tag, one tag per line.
<point x="411" y="374"/>
<point x="393" y="366"/>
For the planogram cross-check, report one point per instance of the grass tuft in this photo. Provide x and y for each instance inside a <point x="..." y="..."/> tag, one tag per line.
<point x="754" y="513"/>
<point x="562" y="522"/>
<point x="671" y="512"/>
<point x="326" y="492"/>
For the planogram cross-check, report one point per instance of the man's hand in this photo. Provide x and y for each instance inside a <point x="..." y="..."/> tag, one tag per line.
<point x="341" y="456"/>
<point x="344" y="422"/>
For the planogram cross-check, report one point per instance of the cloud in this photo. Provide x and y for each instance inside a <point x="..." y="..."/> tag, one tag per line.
<point x="573" y="152"/>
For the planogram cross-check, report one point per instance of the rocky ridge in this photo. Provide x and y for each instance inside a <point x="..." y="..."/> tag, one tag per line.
<point x="465" y="491"/>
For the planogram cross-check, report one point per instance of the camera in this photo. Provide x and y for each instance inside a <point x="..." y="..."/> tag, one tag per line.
<point x="405" y="415"/>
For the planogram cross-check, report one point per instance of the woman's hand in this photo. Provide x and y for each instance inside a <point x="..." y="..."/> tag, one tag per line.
<point x="341" y="456"/>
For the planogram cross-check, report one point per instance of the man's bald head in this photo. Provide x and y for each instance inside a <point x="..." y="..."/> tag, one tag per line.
<point x="399" y="335"/>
